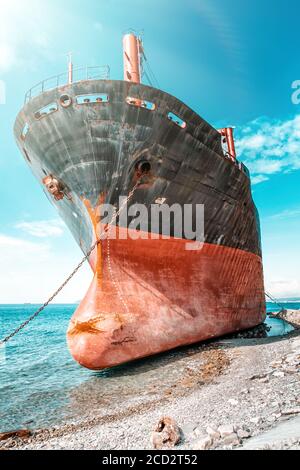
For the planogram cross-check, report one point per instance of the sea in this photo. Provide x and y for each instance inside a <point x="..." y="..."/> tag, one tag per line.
<point x="40" y="384"/>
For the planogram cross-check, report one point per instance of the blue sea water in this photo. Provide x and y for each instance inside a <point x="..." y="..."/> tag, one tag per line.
<point x="41" y="385"/>
<point x="38" y="370"/>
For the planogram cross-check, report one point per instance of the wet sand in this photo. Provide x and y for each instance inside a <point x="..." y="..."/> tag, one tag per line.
<point x="250" y="385"/>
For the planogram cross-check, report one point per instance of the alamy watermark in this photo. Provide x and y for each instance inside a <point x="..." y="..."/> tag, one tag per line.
<point x="2" y="92"/>
<point x="296" y="92"/>
<point x="155" y="222"/>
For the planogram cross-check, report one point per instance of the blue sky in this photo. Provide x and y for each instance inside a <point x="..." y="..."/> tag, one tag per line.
<point x="232" y="61"/>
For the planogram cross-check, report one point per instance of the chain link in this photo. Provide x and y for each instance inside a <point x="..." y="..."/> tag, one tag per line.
<point x="78" y="267"/>
<point x="273" y="300"/>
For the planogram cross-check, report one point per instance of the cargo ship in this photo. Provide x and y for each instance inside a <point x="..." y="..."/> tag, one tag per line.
<point x="89" y="140"/>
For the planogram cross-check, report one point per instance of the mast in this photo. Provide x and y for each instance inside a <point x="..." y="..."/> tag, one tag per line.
<point x="227" y="133"/>
<point x="132" y="47"/>
<point x="70" y="68"/>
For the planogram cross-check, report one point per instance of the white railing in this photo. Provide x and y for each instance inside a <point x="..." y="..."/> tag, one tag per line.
<point x="79" y="74"/>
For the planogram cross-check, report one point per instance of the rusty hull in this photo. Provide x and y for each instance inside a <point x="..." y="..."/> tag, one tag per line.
<point x="174" y="296"/>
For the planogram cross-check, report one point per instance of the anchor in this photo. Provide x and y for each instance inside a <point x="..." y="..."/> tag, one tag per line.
<point x="55" y="187"/>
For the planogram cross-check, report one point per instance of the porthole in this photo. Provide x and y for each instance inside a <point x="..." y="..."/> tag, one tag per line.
<point x="98" y="98"/>
<point x="26" y="155"/>
<point x="43" y="112"/>
<point x="141" y="103"/>
<point x="177" y="120"/>
<point x="25" y="131"/>
<point x="65" y="101"/>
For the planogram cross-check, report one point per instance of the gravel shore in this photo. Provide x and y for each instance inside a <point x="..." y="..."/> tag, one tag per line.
<point x="291" y="316"/>
<point x="233" y="393"/>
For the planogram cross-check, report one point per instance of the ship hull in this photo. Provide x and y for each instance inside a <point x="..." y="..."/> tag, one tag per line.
<point x="139" y="305"/>
<point x="147" y="296"/>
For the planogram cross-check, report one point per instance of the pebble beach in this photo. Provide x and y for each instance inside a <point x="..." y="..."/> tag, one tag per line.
<point x="235" y="393"/>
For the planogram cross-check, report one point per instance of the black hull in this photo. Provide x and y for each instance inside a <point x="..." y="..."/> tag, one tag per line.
<point x="95" y="148"/>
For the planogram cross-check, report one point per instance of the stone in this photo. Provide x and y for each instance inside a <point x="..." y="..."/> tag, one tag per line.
<point x="188" y="429"/>
<point x="257" y="420"/>
<point x="198" y="432"/>
<point x="271" y="419"/>
<point x="265" y="380"/>
<point x="290" y="370"/>
<point x="21" y="434"/>
<point x="213" y="433"/>
<point x="233" y="402"/>
<point x="294" y="411"/>
<point x="292" y="441"/>
<point x="226" y="430"/>
<point x="203" y="444"/>
<point x="257" y="377"/>
<point x="293" y="359"/>
<point x="231" y="439"/>
<point x="276" y="364"/>
<point x="166" y="434"/>
<point x="243" y="434"/>
<point x="275" y="404"/>
<point x="279" y="374"/>
<point x="296" y="345"/>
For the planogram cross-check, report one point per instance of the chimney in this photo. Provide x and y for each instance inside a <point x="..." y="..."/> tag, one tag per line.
<point x="132" y="58"/>
<point x="227" y="132"/>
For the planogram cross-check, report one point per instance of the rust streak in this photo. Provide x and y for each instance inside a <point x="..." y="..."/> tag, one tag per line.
<point x="85" y="327"/>
<point x="95" y="221"/>
<point x="123" y="341"/>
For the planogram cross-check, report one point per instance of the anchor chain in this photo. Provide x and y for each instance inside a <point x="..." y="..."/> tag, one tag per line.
<point x="78" y="267"/>
<point x="82" y="262"/>
<point x="273" y="300"/>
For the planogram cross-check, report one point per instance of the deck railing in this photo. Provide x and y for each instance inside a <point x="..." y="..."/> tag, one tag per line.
<point x="79" y="74"/>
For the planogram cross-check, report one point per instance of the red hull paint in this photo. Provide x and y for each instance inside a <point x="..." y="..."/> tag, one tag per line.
<point x="158" y="296"/>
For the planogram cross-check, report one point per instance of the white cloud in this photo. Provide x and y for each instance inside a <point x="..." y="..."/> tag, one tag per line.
<point x="255" y="142"/>
<point x="43" y="228"/>
<point x="287" y="214"/>
<point x="259" y="179"/>
<point x="7" y="242"/>
<point x="32" y="271"/>
<point x="270" y="146"/>
<point x="266" y="167"/>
